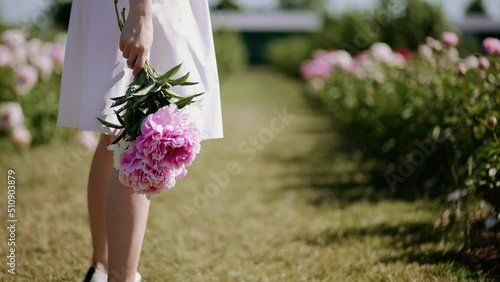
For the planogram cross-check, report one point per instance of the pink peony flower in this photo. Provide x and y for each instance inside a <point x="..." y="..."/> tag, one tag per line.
<point x="45" y="66"/>
<point x="434" y="44"/>
<point x="462" y="68"/>
<point x="57" y="54"/>
<point x="381" y="52"/>
<point x="471" y="62"/>
<point x="20" y="136"/>
<point x="11" y="116"/>
<point x="450" y="38"/>
<point x="19" y="56"/>
<point x="492" y="45"/>
<point x="453" y="55"/>
<point x="26" y="78"/>
<point x="406" y="53"/>
<point x="34" y="48"/>
<point x="319" y="67"/>
<point x="13" y="38"/>
<point x="341" y="59"/>
<point x="484" y="63"/>
<point x="168" y="143"/>
<point x="426" y="51"/>
<point x="5" y="56"/>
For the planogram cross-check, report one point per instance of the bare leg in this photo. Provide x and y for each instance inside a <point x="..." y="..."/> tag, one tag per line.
<point x="100" y="174"/>
<point x="126" y="218"/>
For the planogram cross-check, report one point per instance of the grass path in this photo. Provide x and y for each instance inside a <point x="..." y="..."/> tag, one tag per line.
<point x="266" y="224"/>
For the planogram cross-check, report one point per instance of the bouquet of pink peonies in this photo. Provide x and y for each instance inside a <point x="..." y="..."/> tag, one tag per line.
<point x="158" y="140"/>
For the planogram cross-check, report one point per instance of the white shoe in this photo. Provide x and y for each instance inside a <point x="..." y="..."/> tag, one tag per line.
<point x="95" y="275"/>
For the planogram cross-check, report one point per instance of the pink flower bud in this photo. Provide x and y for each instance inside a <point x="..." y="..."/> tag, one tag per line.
<point x="492" y="45"/>
<point x="450" y="39"/>
<point x="492" y="121"/>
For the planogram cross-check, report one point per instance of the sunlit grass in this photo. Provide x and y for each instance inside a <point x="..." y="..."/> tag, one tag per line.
<point x="268" y="224"/>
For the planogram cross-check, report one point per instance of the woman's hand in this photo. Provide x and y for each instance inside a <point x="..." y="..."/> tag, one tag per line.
<point x="137" y="34"/>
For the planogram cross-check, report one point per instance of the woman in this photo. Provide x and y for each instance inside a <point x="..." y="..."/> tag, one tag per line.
<point x="100" y="62"/>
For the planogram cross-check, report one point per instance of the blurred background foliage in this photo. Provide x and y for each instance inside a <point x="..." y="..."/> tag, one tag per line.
<point x="401" y="24"/>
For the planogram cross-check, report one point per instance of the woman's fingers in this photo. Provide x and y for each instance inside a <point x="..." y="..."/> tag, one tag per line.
<point x="126" y="51"/>
<point x="130" y="63"/>
<point x="139" y="63"/>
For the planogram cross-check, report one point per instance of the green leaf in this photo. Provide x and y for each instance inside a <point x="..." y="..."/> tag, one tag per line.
<point x="120" y="137"/>
<point x="186" y="101"/>
<point x="108" y="124"/>
<point x="170" y="94"/>
<point x="138" y="81"/>
<point x="145" y="90"/>
<point x="169" y="74"/>
<point x="189" y="83"/>
<point x="124" y="17"/>
<point x="180" y="80"/>
<point x="120" y="101"/>
<point x="120" y="119"/>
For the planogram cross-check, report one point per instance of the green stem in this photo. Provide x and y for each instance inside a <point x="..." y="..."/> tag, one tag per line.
<point x="120" y="24"/>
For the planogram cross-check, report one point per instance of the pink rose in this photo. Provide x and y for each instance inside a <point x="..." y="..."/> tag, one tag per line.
<point x="11" y="116"/>
<point x="450" y="38"/>
<point x="492" y="45"/>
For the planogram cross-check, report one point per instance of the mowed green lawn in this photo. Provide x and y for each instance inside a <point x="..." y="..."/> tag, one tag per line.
<point x="258" y="205"/>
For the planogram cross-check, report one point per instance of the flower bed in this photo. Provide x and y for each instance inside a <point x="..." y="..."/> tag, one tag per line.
<point x="428" y="119"/>
<point x="30" y="73"/>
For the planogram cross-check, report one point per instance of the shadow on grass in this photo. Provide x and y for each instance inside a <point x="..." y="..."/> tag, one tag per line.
<point x="410" y="243"/>
<point x="338" y="175"/>
<point x="402" y="236"/>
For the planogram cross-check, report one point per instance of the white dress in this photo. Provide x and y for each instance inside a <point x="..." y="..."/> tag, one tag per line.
<point x="94" y="69"/>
